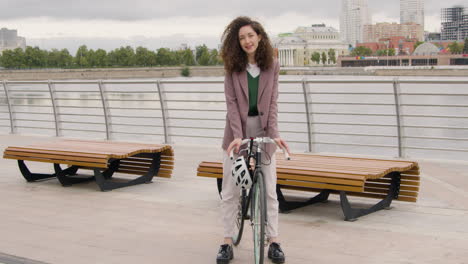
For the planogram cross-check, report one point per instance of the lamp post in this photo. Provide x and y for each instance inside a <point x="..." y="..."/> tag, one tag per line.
<point x="387" y="43"/>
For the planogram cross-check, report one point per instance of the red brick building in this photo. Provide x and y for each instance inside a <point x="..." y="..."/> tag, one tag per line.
<point x="402" y="45"/>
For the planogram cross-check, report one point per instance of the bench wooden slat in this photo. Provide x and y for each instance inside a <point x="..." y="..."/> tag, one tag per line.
<point x="56" y="156"/>
<point x="357" y="194"/>
<point x="320" y="179"/>
<point x="111" y="149"/>
<point x="85" y="164"/>
<point x="320" y="185"/>
<point x="403" y="182"/>
<point x="30" y="150"/>
<point x="386" y="186"/>
<point x="373" y="168"/>
<point x="342" y="158"/>
<point x="204" y="166"/>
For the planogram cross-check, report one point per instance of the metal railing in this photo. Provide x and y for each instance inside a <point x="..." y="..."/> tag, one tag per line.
<point x="389" y="117"/>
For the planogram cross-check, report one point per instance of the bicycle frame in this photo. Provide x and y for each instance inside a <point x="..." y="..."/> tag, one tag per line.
<point x="250" y="198"/>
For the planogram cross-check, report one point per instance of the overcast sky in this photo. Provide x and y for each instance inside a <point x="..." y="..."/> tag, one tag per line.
<point x="109" y="24"/>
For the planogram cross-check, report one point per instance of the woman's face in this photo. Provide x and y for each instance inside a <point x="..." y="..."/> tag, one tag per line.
<point x="249" y="39"/>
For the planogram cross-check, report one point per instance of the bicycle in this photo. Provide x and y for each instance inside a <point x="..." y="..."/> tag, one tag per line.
<point x="255" y="197"/>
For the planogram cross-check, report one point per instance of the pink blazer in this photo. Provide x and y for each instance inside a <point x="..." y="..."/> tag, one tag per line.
<point x="236" y="91"/>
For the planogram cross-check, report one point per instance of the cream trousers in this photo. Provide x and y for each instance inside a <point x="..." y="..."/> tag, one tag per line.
<point x="230" y="193"/>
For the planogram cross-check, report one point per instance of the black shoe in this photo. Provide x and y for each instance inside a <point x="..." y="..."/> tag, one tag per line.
<point x="225" y="254"/>
<point x="275" y="253"/>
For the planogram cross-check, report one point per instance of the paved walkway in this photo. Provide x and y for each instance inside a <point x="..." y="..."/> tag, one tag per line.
<point x="177" y="220"/>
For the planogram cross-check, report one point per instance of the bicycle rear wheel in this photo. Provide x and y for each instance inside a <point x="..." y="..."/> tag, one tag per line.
<point x="241" y="212"/>
<point x="259" y="217"/>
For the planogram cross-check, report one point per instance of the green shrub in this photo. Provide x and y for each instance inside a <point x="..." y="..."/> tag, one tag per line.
<point x="185" y="71"/>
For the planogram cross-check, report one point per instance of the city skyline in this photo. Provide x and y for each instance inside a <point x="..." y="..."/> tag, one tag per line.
<point x="353" y="16"/>
<point x="108" y="25"/>
<point x="412" y="11"/>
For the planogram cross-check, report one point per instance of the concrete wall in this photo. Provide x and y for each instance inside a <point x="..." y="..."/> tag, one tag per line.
<point x="168" y="72"/>
<point x="422" y="72"/>
<point x="107" y="73"/>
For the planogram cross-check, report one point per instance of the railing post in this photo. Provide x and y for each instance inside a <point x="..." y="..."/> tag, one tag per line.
<point x="54" y="107"/>
<point x="308" y="116"/>
<point x="105" y="108"/>
<point x="10" y="108"/>
<point x="399" y="117"/>
<point x="162" y="101"/>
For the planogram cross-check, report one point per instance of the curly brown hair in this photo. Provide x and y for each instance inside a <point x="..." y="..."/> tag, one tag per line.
<point x="235" y="59"/>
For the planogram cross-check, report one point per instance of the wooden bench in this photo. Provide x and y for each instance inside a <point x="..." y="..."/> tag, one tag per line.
<point x="103" y="157"/>
<point x="371" y="178"/>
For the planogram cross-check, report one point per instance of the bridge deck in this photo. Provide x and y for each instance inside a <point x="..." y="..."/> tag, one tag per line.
<point x="177" y="220"/>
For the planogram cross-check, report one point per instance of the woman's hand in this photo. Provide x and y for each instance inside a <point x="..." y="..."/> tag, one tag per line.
<point x="235" y="144"/>
<point x="282" y="144"/>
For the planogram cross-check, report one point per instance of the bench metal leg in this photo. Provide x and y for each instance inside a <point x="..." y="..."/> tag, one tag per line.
<point x="30" y="177"/>
<point x="64" y="175"/>
<point x="351" y="214"/>
<point x="105" y="184"/>
<point x="219" y="184"/>
<point x="286" y="206"/>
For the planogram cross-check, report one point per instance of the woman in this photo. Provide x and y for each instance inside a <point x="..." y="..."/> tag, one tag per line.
<point x="251" y="90"/>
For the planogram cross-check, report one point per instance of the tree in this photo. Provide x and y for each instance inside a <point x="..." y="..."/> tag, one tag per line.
<point x="331" y="56"/>
<point x="144" y="57"/>
<point x="186" y="57"/>
<point x="324" y="58"/>
<point x="386" y="52"/>
<point x="65" y="59"/>
<point x="122" y="57"/>
<point x="13" y="59"/>
<point x="81" y="56"/>
<point x="455" y="47"/>
<point x="315" y="57"/>
<point x="214" y="57"/>
<point x="100" y="58"/>
<point x="164" y="57"/>
<point x="465" y="46"/>
<point x="53" y="58"/>
<point x="417" y="44"/>
<point x="361" y="51"/>
<point x="202" y="55"/>
<point x="91" y="58"/>
<point x="35" y="57"/>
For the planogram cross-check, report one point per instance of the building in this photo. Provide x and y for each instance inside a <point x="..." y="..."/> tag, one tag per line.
<point x="373" y="33"/>
<point x="412" y="11"/>
<point x="426" y="54"/>
<point x="432" y="36"/>
<point x="401" y="45"/>
<point x="454" y="23"/>
<point x="354" y="15"/>
<point x="296" y="49"/>
<point x="9" y="40"/>
<point x="406" y="60"/>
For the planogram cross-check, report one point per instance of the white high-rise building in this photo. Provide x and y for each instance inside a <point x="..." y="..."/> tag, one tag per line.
<point x="354" y="15"/>
<point x="412" y="11"/>
<point x="9" y="39"/>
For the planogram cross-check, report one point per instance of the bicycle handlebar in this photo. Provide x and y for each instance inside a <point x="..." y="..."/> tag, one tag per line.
<point x="262" y="140"/>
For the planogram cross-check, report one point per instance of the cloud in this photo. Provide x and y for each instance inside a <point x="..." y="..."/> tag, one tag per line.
<point x="161" y="21"/>
<point x="134" y="10"/>
<point x="147" y="9"/>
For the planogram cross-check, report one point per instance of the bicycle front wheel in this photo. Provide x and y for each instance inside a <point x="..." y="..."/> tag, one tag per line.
<point x="259" y="217"/>
<point x="241" y="212"/>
